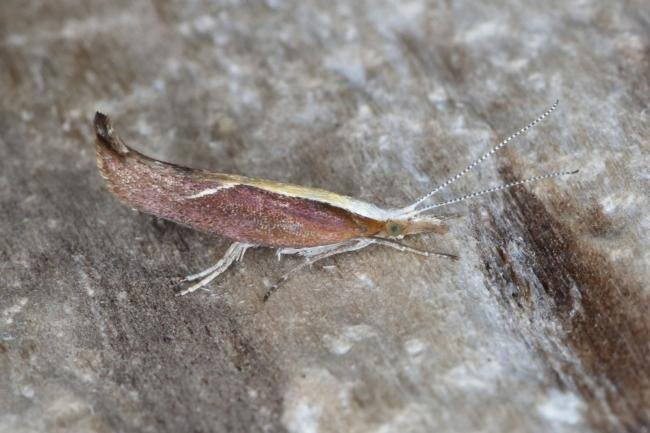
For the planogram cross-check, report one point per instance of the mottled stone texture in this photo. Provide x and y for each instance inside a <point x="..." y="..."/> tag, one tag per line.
<point x="543" y="325"/>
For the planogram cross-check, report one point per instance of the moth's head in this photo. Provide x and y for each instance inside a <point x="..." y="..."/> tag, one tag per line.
<point x="405" y="226"/>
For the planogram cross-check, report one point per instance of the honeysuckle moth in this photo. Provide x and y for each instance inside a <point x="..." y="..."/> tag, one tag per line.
<point x="309" y="222"/>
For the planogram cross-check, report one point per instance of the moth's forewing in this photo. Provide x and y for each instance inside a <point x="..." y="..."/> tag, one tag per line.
<point x="243" y="209"/>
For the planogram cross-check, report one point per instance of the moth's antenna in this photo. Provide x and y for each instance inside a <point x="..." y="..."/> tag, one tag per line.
<point x="467" y="169"/>
<point x="490" y="190"/>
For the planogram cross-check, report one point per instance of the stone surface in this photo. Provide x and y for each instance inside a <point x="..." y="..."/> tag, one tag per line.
<point x="541" y="326"/>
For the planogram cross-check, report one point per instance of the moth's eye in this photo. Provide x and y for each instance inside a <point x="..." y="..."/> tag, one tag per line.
<point x="393" y="229"/>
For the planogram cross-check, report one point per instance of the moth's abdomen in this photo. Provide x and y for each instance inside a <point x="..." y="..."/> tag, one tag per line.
<point x="235" y="210"/>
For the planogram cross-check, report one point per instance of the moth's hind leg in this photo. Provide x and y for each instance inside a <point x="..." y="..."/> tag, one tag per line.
<point x="312" y="255"/>
<point x="234" y="253"/>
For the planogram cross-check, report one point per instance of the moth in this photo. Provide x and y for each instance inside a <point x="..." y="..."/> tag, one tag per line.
<point x="309" y="222"/>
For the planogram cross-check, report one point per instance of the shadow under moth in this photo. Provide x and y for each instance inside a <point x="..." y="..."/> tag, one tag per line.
<point x="308" y="222"/>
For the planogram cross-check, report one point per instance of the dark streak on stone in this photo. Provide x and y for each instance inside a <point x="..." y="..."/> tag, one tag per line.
<point x="606" y="322"/>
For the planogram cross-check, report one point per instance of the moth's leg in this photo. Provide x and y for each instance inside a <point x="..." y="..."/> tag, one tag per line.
<point x="306" y="252"/>
<point x="234" y="253"/>
<point x="232" y="250"/>
<point x="203" y="273"/>
<point x="321" y="253"/>
<point x="402" y="247"/>
<point x="318" y="253"/>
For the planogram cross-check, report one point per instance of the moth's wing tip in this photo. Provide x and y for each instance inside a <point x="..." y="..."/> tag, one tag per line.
<point x="103" y="127"/>
<point x="106" y="135"/>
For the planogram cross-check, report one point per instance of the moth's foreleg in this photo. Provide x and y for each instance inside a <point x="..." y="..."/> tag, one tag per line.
<point x="315" y="254"/>
<point x="234" y="253"/>
<point x="405" y="248"/>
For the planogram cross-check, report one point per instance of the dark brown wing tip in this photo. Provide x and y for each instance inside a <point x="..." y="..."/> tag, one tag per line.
<point x="106" y="136"/>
